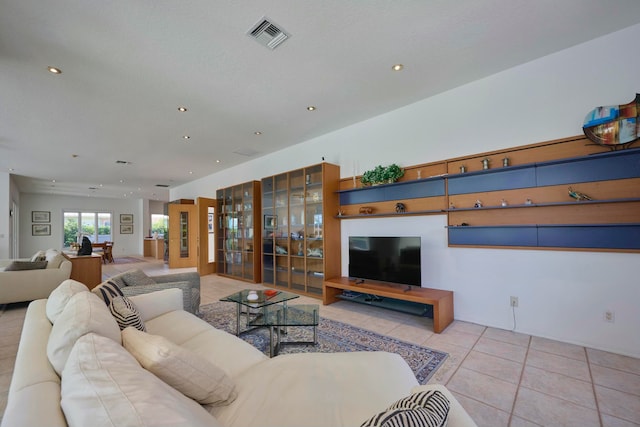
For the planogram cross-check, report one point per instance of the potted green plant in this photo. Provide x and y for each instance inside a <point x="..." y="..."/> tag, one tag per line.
<point x="392" y="173"/>
<point x="382" y="175"/>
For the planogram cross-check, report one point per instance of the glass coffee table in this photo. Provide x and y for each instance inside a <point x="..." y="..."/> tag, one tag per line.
<point x="267" y="312"/>
<point x="259" y="307"/>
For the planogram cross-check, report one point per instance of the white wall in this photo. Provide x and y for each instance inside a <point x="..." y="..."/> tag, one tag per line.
<point x="562" y="295"/>
<point x="5" y="220"/>
<point x="124" y="244"/>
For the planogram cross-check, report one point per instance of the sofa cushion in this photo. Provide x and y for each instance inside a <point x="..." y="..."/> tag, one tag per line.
<point x="107" y="290"/>
<point x="39" y="256"/>
<point x="54" y="258"/>
<point x="126" y="313"/>
<point x="26" y="265"/>
<point x="61" y="295"/>
<point x="136" y="278"/>
<point x="224" y="350"/>
<point x="103" y="385"/>
<point x="354" y="385"/>
<point x="423" y="409"/>
<point x="83" y="313"/>
<point x="182" y="369"/>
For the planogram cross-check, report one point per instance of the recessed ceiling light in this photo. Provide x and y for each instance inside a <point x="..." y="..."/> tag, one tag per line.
<point x="54" y="70"/>
<point x="190" y="172"/>
<point x="121" y="181"/>
<point x="53" y="180"/>
<point x="311" y="108"/>
<point x="257" y="132"/>
<point x="185" y="137"/>
<point x="182" y="109"/>
<point x="218" y="161"/>
<point x="397" y="67"/>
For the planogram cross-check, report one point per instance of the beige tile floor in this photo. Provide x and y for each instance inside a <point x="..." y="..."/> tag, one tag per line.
<point x="502" y="378"/>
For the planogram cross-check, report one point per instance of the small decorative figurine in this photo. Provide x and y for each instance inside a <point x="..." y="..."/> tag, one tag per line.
<point x="578" y="195"/>
<point x="463" y="169"/>
<point x="505" y="162"/>
<point x="478" y="204"/>
<point x="400" y="208"/>
<point x="504" y="202"/>
<point x="366" y="210"/>
<point x="419" y="173"/>
<point x="451" y="206"/>
<point x="485" y="163"/>
<point x="528" y="202"/>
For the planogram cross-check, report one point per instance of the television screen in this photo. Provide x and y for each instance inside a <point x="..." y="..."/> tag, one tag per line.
<point x="386" y="259"/>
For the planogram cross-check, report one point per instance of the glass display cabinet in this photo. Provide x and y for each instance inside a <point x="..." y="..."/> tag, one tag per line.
<point x="238" y="237"/>
<point x="300" y="235"/>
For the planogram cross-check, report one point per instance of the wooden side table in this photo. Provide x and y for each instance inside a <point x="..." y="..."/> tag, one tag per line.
<point x="86" y="269"/>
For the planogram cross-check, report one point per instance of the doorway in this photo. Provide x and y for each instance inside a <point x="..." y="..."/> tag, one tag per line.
<point x="207" y="209"/>
<point x="183" y="235"/>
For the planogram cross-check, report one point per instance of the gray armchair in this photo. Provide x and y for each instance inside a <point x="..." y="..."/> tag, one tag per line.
<point x="136" y="282"/>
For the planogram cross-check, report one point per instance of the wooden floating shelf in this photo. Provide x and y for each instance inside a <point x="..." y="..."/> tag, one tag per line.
<point x="379" y="215"/>
<point x="533" y="205"/>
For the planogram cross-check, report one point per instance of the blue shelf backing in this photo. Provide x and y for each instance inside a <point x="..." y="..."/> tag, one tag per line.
<point x="587" y="236"/>
<point x="392" y="192"/>
<point x="618" y="236"/>
<point x="493" y="180"/>
<point x="598" y="167"/>
<point x="617" y="165"/>
<point x="494" y="236"/>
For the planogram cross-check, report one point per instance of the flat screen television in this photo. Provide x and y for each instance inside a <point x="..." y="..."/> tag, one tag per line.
<point x="385" y="259"/>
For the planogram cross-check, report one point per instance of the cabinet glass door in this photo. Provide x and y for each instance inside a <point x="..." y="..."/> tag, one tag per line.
<point x="281" y="229"/>
<point x="268" y="228"/>
<point x="314" y="229"/>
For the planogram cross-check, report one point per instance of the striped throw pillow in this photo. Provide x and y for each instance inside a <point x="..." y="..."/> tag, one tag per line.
<point x="424" y="409"/>
<point x="107" y="291"/>
<point x="126" y="313"/>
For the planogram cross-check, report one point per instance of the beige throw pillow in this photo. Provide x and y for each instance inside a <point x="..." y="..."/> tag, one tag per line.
<point x="183" y="370"/>
<point x="103" y="386"/>
<point x="60" y="296"/>
<point x="84" y="313"/>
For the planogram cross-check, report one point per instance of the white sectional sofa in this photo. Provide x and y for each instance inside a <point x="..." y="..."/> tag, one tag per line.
<point x="29" y="285"/>
<point x="102" y="384"/>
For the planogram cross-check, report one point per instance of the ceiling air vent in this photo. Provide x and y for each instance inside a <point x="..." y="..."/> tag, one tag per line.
<point x="162" y="185"/>
<point x="267" y="33"/>
<point x="248" y="152"/>
<point x="122" y="162"/>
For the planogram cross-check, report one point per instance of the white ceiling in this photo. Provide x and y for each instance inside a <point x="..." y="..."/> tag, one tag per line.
<point x="128" y="65"/>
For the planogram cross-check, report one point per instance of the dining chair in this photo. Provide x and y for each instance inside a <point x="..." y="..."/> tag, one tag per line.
<point x="107" y="254"/>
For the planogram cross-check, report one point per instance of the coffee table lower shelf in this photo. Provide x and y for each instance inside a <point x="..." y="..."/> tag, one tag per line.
<point x="291" y="316"/>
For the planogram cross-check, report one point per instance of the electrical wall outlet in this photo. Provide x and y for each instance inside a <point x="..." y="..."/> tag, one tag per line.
<point x="609" y="316"/>
<point x="513" y="302"/>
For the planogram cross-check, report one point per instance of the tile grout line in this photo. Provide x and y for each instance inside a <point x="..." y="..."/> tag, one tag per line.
<point x="593" y="387"/>
<point x="515" y="398"/>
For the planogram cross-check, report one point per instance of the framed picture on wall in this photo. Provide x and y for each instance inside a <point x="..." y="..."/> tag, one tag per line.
<point x="126" y="218"/>
<point x="40" y="216"/>
<point x="210" y="223"/>
<point x="126" y="228"/>
<point x="41" y="229"/>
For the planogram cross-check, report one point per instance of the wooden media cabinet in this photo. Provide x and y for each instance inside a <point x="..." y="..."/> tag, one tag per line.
<point x="440" y="300"/>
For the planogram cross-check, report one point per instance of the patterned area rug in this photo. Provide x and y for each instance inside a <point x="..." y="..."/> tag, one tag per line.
<point x="333" y="337"/>
<point x="128" y="260"/>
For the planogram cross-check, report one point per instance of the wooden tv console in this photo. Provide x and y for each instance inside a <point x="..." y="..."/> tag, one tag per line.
<point x="441" y="300"/>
